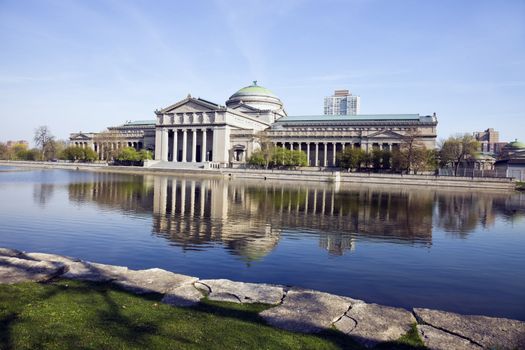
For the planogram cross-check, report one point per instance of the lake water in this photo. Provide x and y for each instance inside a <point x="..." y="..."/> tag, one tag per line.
<point x="461" y="250"/>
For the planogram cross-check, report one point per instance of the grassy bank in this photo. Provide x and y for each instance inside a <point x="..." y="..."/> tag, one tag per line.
<point x="68" y="314"/>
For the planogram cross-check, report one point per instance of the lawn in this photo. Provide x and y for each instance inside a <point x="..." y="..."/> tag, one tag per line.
<point x="68" y="314"/>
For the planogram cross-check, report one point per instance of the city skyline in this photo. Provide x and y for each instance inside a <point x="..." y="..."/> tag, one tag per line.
<point x="96" y="64"/>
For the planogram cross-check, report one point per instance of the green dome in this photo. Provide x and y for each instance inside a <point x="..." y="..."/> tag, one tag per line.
<point x="252" y="90"/>
<point x="516" y="144"/>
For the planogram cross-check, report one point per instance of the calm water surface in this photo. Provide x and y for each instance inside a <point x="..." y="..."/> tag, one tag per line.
<point x="462" y="251"/>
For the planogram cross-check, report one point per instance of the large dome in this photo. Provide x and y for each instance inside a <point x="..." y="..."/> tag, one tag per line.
<point x="255" y="96"/>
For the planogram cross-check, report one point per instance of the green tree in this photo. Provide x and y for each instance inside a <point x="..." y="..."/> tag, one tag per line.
<point x="351" y="158"/>
<point x="456" y="149"/>
<point x="4" y="151"/>
<point x="129" y="154"/>
<point x="257" y="159"/>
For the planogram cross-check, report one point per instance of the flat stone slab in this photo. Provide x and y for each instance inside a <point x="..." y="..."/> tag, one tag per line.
<point x="308" y="311"/>
<point x="240" y="292"/>
<point x="16" y="270"/>
<point x="13" y="253"/>
<point x="436" y="339"/>
<point x="183" y="296"/>
<point x="370" y="324"/>
<point x="151" y="280"/>
<point x="488" y="332"/>
<point x="82" y="270"/>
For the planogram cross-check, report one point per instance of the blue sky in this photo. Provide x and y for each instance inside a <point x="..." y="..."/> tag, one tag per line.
<point x="85" y="65"/>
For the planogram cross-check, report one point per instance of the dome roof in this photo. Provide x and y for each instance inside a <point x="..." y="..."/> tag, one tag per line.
<point x="516" y="144"/>
<point x="252" y="90"/>
<point x="255" y="96"/>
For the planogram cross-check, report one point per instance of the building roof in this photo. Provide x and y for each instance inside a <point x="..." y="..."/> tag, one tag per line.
<point x="517" y="144"/>
<point x="357" y="117"/>
<point x="141" y="122"/>
<point x="252" y="90"/>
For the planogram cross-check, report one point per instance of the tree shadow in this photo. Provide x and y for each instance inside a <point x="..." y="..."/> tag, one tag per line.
<point x="119" y="321"/>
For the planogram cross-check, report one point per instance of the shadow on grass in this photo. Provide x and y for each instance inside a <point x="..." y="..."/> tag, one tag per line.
<point x="71" y="314"/>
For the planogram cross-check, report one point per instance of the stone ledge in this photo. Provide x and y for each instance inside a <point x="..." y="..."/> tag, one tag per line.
<point x="297" y="310"/>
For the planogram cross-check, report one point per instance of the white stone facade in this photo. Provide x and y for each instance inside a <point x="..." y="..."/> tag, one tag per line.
<point x="196" y="131"/>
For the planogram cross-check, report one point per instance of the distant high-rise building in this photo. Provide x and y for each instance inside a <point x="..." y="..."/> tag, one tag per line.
<point x="489" y="140"/>
<point x="342" y="102"/>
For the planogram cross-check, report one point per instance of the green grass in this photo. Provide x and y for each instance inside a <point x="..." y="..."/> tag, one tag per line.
<point x="520" y="185"/>
<point x="68" y="314"/>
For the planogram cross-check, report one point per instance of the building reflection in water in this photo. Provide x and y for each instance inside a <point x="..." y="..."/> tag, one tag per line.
<point x="249" y="218"/>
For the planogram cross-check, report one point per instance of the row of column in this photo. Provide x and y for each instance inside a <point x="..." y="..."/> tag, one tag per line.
<point x="319" y="150"/>
<point x="184" y="145"/>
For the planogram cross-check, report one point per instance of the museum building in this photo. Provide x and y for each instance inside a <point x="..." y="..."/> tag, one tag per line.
<point x="196" y="131"/>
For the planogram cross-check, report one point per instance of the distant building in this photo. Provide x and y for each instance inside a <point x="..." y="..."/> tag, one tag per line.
<point x="489" y="141"/>
<point x="512" y="161"/>
<point x="342" y="102"/>
<point x="11" y="143"/>
<point x="194" y="131"/>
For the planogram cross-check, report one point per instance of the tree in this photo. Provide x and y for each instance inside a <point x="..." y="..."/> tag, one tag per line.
<point x="45" y="140"/>
<point x="76" y="153"/>
<point x="4" y="151"/>
<point x="351" y="158"/>
<point x="279" y="157"/>
<point x="457" y="149"/>
<point x="106" y="141"/>
<point x="267" y="148"/>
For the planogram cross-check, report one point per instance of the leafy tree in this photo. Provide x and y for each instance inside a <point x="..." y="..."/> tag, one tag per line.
<point x="28" y="154"/>
<point x="129" y="154"/>
<point x="75" y="153"/>
<point x="377" y="157"/>
<point x="279" y="157"/>
<point x="351" y="158"/>
<point x="457" y="149"/>
<point x="145" y="155"/>
<point x="4" y="151"/>
<point x="257" y="158"/>
<point x="267" y="148"/>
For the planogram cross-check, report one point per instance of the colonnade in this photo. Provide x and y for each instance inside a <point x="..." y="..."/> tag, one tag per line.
<point x="184" y="144"/>
<point x="324" y="153"/>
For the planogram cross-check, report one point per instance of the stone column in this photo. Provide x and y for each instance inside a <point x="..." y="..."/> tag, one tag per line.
<point x="184" y="144"/>
<point x="316" y="154"/>
<point x="203" y="145"/>
<point x="325" y="152"/>
<point x="334" y="145"/>
<point x="164" y="151"/>
<point x="308" y="152"/>
<point x="175" y="145"/>
<point x="194" y="145"/>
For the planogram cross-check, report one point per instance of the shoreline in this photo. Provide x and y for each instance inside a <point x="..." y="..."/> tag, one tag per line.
<point x="308" y="176"/>
<point x="291" y="308"/>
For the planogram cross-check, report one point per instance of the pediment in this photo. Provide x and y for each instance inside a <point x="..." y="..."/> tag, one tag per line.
<point x="386" y="134"/>
<point x="191" y="105"/>
<point x="80" y="137"/>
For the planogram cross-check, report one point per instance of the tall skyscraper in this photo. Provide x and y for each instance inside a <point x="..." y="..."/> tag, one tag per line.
<point x="342" y="102"/>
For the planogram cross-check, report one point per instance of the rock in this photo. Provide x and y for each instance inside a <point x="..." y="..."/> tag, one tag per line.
<point x="307" y="311"/>
<point x="82" y="270"/>
<point x="51" y="257"/>
<point x="436" y="339"/>
<point x="151" y="281"/>
<point x="13" y="253"/>
<point x="16" y="270"/>
<point x="375" y="323"/>
<point x="183" y="296"/>
<point x="240" y="292"/>
<point x="488" y="332"/>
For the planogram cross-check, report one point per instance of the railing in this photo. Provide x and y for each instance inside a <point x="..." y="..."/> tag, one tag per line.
<point x="464" y="172"/>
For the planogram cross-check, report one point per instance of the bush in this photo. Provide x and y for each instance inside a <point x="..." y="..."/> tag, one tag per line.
<point x="75" y="153"/>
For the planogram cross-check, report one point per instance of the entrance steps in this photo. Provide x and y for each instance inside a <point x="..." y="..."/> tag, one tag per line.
<point x="159" y="164"/>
